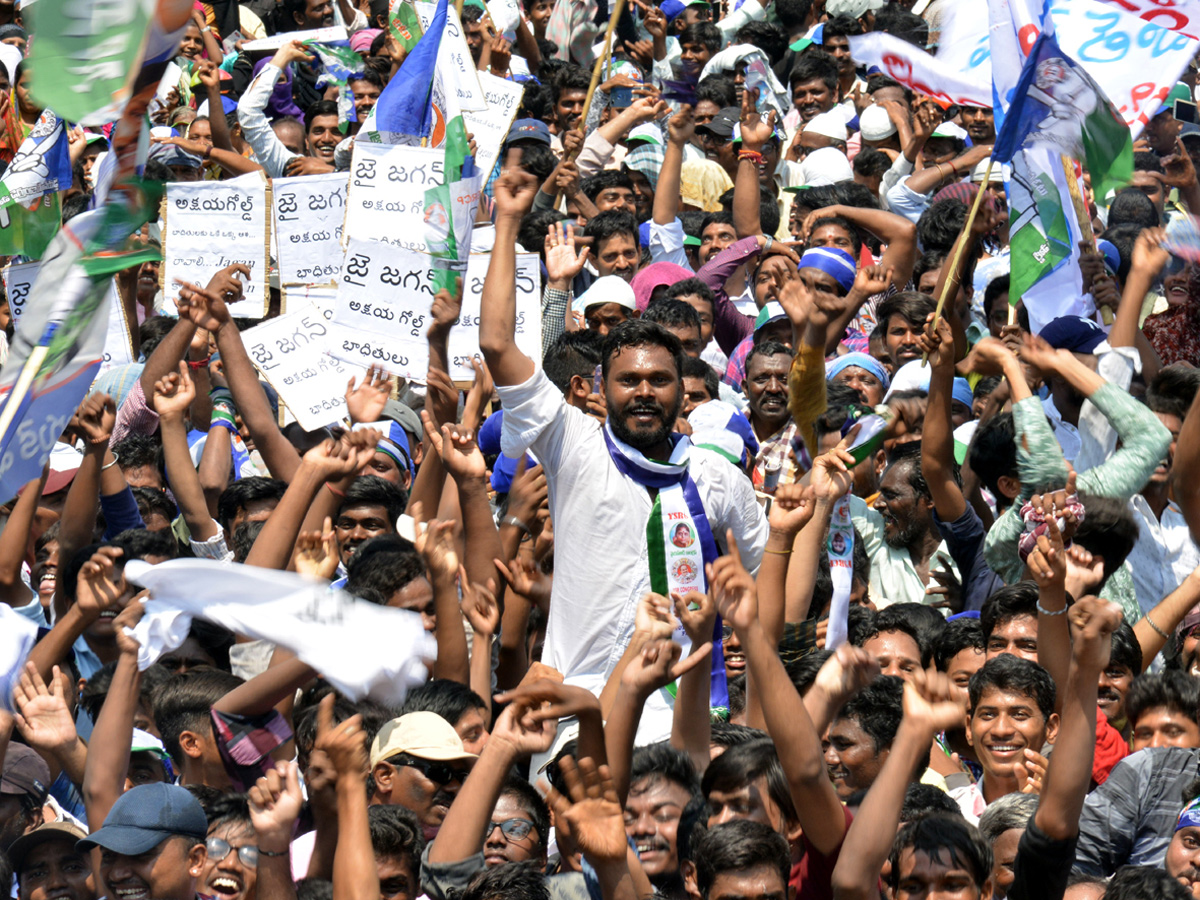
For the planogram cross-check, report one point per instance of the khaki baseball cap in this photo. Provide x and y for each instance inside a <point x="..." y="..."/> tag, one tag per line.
<point x="422" y="734"/>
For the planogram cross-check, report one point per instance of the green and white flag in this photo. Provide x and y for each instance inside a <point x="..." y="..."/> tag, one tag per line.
<point x="30" y="212"/>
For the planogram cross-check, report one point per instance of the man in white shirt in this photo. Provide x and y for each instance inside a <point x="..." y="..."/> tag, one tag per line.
<point x="606" y="480"/>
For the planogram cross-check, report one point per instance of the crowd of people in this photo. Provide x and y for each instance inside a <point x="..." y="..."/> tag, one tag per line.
<point x="770" y="578"/>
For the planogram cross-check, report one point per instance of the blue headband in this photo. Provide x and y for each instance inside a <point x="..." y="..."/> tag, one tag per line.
<point x="394" y="442"/>
<point x="962" y="392"/>
<point x="1190" y="817"/>
<point x="855" y="360"/>
<point x="831" y="261"/>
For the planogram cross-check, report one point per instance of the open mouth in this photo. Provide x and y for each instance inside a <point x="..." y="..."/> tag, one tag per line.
<point x="131" y="893"/>
<point x="1006" y="752"/>
<point x="225" y="885"/>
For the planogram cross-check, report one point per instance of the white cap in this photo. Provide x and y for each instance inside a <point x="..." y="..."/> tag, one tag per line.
<point x="830" y="124"/>
<point x="608" y="289"/>
<point x="912" y="376"/>
<point x="826" y="166"/>
<point x="646" y="132"/>
<point x="853" y="8"/>
<point x="875" y="124"/>
<point x="999" y="170"/>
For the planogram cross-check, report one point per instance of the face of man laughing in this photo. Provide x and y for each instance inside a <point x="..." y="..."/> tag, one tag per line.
<point x="643" y="396"/>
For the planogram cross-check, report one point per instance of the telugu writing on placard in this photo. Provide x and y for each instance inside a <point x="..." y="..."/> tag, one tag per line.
<point x="214" y="224"/>
<point x="308" y="214"/>
<point x="289" y="351"/>
<point x="386" y="200"/>
<point x="383" y="308"/>
<point x="1175" y="15"/>
<point x="490" y="126"/>
<point x="464" y="337"/>
<point x="330" y="35"/>
<point x="18" y="282"/>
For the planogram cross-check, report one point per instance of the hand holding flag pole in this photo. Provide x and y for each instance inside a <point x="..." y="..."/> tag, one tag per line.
<point x="958" y="252"/>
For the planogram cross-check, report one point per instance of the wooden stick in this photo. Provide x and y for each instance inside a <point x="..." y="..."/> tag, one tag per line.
<point x="458" y="5"/>
<point x="1085" y="220"/>
<point x="21" y="389"/>
<point x="597" y="71"/>
<point x="952" y="283"/>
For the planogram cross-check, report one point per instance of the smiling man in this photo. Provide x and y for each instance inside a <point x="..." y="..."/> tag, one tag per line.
<point x="662" y="781"/>
<point x="152" y="845"/>
<point x="766" y="388"/>
<point x="371" y="508"/>
<point x="1011" y="717"/>
<point x="861" y="736"/>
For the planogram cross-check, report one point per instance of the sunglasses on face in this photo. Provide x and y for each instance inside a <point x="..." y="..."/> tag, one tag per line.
<point x="218" y="849"/>
<point x="437" y="772"/>
<point x="512" y="829"/>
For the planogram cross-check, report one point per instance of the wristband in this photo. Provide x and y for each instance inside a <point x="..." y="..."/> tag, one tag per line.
<point x="116" y="459"/>
<point x="516" y="523"/>
<point x="1057" y="612"/>
<point x="752" y="155"/>
<point x="221" y="395"/>
<point x="1162" y="634"/>
<point x="223" y="423"/>
<point x="222" y="417"/>
<point x="335" y="491"/>
<point x="199" y="363"/>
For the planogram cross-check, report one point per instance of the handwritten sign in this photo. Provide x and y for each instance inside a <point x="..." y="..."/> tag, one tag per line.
<point x="383" y="310"/>
<point x="464" y="337"/>
<point x="18" y="281"/>
<point x="454" y="64"/>
<point x="925" y="74"/>
<point x="490" y="126"/>
<point x="211" y="225"/>
<point x="308" y="214"/>
<point x="1174" y="15"/>
<point x="289" y="351"/>
<point x="386" y="201"/>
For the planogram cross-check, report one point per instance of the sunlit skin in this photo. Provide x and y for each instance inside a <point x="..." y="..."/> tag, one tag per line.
<point x="417" y="596"/>
<point x="751" y="801"/>
<point x="618" y="255"/>
<point x="867" y="384"/>
<point x="356" y="524"/>
<point x="1115" y="682"/>
<point x="499" y="848"/>
<point x="694" y="394"/>
<point x="1017" y="636"/>
<point x="405" y="785"/>
<point x="616" y="197"/>
<point x="388" y="469"/>
<point x="759" y="883"/>
<point x="323" y="136"/>
<point x="471" y="728"/>
<point x="568" y="108"/>
<point x="813" y="97"/>
<point x="766" y="389"/>
<point x="317" y="14"/>
<point x="1004" y="855"/>
<point x="963" y="664"/>
<point x="55" y="870"/>
<point x="714" y="238"/>
<point x="228" y="878"/>
<point x="643" y="396"/>
<point x="851" y="757"/>
<point x="1183" y="857"/>
<point x="1161" y="726"/>
<point x="704" y="309"/>
<point x="902" y="339"/>
<point x="896" y="652"/>
<point x="1002" y="726"/>
<point x="397" y="878"/>
<point x="366" y="95"/>
<point x="921" y="877"/>
<point x="166" y="872"/>
<point x="191" y="45"/>
<point x="604" y="317"/>
<point x="652" y="813"/>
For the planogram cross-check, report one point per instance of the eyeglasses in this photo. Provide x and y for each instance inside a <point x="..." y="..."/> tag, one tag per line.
<point x="218" y="849"/>
<point x="512" y="829"/>
<point x="437" y="772"/>
<point x="726" y="632"/>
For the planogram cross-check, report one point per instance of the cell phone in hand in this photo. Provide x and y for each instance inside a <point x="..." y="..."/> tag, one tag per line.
<point x="596" y="379"/>
<point x="1185" y="111"/>
<point x="621" y="97"/>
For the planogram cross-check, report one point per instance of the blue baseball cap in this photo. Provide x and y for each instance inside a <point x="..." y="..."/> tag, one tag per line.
<point x="1074" y="333"/>
<point x="145" y="816"/>
<point x="528" y="130"/>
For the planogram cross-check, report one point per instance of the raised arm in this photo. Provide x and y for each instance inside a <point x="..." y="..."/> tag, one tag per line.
<point x="680" y="129"/>
<point x="173" y="395"/>
<point x="514" y="192"/>
<point x="896" y="232"/>
<point x="275" y="804"/>
<point x="14" y="542"/>
<point x="746" y="195"/>
<point x="937" y="438"/>
<point x="1187" y="460"/>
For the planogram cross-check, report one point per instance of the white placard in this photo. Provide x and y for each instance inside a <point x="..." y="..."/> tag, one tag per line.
<point x="383" y="310"/>
<point x="454" y="60"/>
<point x="506" y="15"/>
<point x="464" y="337"/>
<point x="490" y="126"/>
<point x="289" y="352"/>
<point x="308" y="213"/>
<point x="328" y="35"/>
<point x="213" y="224"/>
<point x="18" y="281"/>
<point x="386" y="201"/>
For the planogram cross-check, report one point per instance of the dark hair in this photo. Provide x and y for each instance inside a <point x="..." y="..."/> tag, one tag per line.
<point x="704" y="33"/>
<point x="1007" y="603"/>
<point x="245" y="491"/>
<point x="1170" y="689"/>
<point x="1108" y="529"/>
<point x="850" y="229"/>
<point x="814" y="65"/>
<point x="531" y="801"/>
<point x="152" y="500"/>
<point x="877" y="81"/>
<point x="572" y="353"/>
<point x="924" y="799"/>
<point x="318" y="888"/>
<point x="382" y="566"/>
<point x="894" y="20"/>
<point x="206" y="795"/>
<point x="766" y="36"/>
<point x="138" y="543"/>
<point x="661" y="761"/>
<point x="229" y="809"/>
<point x="924" y="623"/>
<point x="957" y="636"/>
<point x="906" y="457"/>
<point x="515" y="881"/>
<point x="877" y="710"/>
<point x="739" y="846"/>
<point x="608" y="223"/>
<point x="1173" y="389"/>
<point x="793" y="13"/>
<point x="932" y="834"/>
<point x="722" y="217"/>
<point x="766" y="348"/>
<point x="939" y="226"/>
<point x="928" y="261"/>
<point x="992" y="452"/>
<point x="1132" y="206"/>
<point x="870" y="162"/>
<point x="604" y="179"/>
<point x="841" y="401"/>
<point x="570" y="78"/>
<point x="140" y="450"/>
<point x="184" y="703"/>
<point x="671" y="314"/>
<point x="717" y="88"/>
<point x="534" y="226"/>
<point x="636" y="333"/>
<point x="692" y="287"/>
<point x="841" y="26"/>
<point x="1016" y="675"/>
<point x="911" y="306"/>
<point x="371" y="490"/>
<point x="884" y="621"/>
<point x="449" y="699"/>
<point x="728" y="734"/>
<point x="1147" y="161"/>
<point x="1126" y="651"/>
<point x="997" y="287"/>
<point x="396" y="834"/>
<point x="320" y="108"/>
<point x="1144" y="883"/>
<point x="539" y="161"/>
<point x="768" y="216"/>
<point x="698" y="368"/>
<point x="1123" y="238"/>
<point x="370" y="76"/>
<point x="244" y="537"/>
<point x="747" y="762"/>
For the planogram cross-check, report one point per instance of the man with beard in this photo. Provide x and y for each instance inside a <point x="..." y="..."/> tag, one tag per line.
<point x="902" y="318"/>
<point x="418" y="762"/>
<point x="610" y="482"/>
<point x="899" y="532"/>
<point x="766" y="387"/>
<point x="980" y="124"/>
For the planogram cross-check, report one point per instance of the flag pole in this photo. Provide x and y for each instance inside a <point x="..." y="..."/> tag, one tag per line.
<point x="24" y="381"/>
<point x="958" y="252"/>
<point x="597" y="71"/>
<point x="1085" y="219"/>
